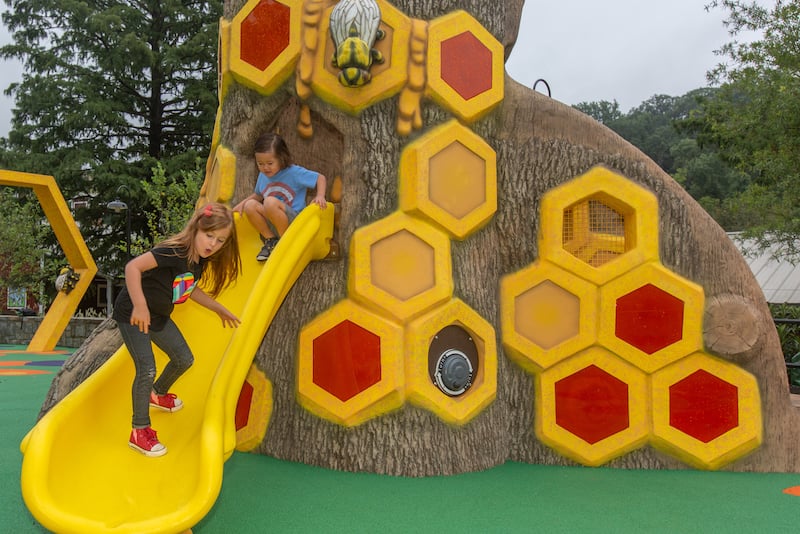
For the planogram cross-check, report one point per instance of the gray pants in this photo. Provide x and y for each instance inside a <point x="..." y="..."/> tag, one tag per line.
<point x="171" y="341"/>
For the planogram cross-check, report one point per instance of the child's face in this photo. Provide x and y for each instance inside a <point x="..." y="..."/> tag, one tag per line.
<point x="208" y="242"/>
<point x="268" y="163"/>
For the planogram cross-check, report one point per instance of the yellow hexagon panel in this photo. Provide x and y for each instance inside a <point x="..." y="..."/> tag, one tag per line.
<point x="593" y="407"/>
<point x="78" y="256"/>
<point x="449" y="175"/>
<point x="451" y="362"/>
<point x="400" y="265"/>
<point x="387" y="78"/>
<point x="350" y="365"/>
<point x="599" y="225"/>
<point x="264" y="43"/>
<point x="465" y="66"/>
<point x="253" y="410"/>
<point x="651" y="316"/>
<point x="706" y="412"/>
<point x="546" y="314"/>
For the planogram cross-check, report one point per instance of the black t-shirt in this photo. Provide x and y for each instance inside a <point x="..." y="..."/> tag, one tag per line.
<point x="170" y="283"/>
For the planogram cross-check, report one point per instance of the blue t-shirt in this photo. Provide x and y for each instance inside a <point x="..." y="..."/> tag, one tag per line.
<point x="290" y="185"/>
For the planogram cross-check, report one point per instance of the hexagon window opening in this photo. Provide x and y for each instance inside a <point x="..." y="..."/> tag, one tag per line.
<point x="347" y="360"/>
<point x="649" y="319"/>
<point x="594" y="232"/>
<point x="403" y="265"/>
<point x="592" y="404"/>
<point x="457" y="180"/>
<point x="265" y="33"/>
<point x="466" y="65"/>
<point x="547" y="314"/>
<point x="703" y="406"/>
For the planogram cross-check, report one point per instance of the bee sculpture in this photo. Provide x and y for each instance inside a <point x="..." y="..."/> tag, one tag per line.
<point x="354" y="26"/>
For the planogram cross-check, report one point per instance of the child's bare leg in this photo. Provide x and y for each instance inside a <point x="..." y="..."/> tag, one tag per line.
<point x="255" y="213"/>
<point x="275" y="211"/>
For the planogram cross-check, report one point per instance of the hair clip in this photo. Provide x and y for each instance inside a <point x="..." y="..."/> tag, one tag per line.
<point x="208" y="210"/>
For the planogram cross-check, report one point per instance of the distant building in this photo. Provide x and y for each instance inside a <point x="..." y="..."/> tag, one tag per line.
<point x="779" y="279"/>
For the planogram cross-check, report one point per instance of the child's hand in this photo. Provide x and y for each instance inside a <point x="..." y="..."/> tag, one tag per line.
<point x="320" y="201"/>
<point x="141" y="317"/>
<point x="228" y="319"/>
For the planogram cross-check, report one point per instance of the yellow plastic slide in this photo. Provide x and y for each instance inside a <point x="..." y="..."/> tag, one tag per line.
<point x="78" y="473"/>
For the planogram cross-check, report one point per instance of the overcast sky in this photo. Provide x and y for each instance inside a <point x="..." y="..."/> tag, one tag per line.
<point x="586" y="50"/>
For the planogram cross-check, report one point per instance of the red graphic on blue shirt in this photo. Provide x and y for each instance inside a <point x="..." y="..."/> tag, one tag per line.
<point x="281" y="191"/>
<point x="182" y="287"/>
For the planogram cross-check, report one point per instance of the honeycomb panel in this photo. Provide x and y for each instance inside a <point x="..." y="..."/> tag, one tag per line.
<point x="253" y="410"/>
<point x="400" y="265"/>
<point x="547" y="314"/>
<point x="449" y="176"/>
<point x="352" y="383"/>
<point x="706" y="411"/>
<point x="465" y="70"/>
<point x="422" y="391"/>
<point x="265" y="43"/>
<point x="403" y="265"/>
<point x="592" y="407"/>
<point x="388" y="77"/>
<point x="655" y="316"/>
<point x="582" y="221"/>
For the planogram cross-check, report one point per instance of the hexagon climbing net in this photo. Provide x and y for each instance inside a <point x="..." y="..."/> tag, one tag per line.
<point x="593" y="232"/>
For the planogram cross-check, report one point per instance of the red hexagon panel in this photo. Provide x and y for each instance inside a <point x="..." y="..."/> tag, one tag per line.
<point x="703" y="406"/>
<point x="592" y="404"/>
<point x="649" y="318"/>
<point x="265" y="33"/>
<point x="347" y="360"/>
<point x="466" y="65"/>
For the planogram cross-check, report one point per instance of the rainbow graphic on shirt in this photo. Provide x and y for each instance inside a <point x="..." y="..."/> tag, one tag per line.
<point x="182" y="287"/>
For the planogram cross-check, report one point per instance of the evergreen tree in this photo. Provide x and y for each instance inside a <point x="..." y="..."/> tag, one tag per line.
<point x="110" y="89"/>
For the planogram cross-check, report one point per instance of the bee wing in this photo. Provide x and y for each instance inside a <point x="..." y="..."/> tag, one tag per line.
<point x="339" y="25"/>
<point x="364" y="15"/>
<point x="369" y="19"/>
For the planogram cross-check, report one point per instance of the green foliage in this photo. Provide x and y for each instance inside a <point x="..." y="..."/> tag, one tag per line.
<point x="602" y="111"/>
<point x="26" y="261"/>
<point x="110" y="90"/>
<point x="173" y="199"/>
<point x="754" y="118"/>
<point x="789" y="335"/>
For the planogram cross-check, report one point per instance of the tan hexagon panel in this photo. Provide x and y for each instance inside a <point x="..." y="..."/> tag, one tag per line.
<point x="401" y="266"/>
<point x="449" y="175"/>
<point x="546" y="314"/>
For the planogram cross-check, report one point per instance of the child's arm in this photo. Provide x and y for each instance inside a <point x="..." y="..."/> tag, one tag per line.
<point x="322" y="184"/>
<point x="203" y="299"/>
<point x="140" y="316"/>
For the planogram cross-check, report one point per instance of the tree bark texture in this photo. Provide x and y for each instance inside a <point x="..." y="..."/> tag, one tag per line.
<point x="540" y="144"/>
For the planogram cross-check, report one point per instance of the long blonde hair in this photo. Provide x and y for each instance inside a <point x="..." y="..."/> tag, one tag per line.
<point x="224" y="266"/>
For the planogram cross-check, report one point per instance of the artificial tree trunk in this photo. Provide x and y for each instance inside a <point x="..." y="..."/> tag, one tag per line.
<point x="540" y="144"/>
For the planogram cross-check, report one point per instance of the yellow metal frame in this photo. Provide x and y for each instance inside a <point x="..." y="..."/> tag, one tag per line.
<point x="69" y="237"/>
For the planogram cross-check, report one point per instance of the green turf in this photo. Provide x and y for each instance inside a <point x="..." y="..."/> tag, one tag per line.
<point x="262" y="494"/>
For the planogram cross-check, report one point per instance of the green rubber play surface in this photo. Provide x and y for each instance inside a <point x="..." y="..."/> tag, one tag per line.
<point x="262" y="494"/>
